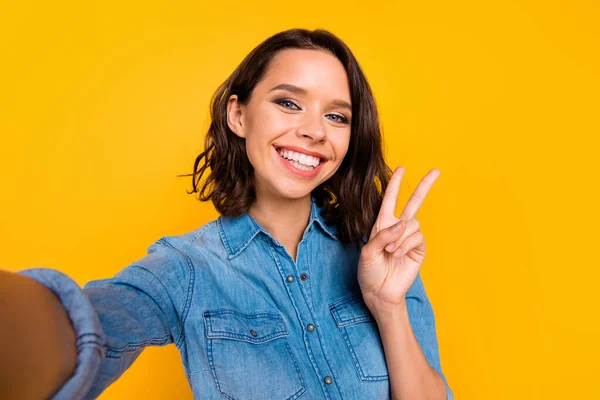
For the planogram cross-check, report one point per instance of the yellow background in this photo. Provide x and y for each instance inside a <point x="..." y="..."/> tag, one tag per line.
<point x="104" y="104"/>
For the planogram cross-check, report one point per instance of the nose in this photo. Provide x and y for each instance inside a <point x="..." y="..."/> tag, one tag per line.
<point x="312" y="127"/>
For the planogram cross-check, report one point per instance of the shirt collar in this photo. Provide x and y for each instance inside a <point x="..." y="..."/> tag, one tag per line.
<point x="238" y="232"/>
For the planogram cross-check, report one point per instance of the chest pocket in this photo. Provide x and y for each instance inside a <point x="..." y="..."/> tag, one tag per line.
<point x="361" y="335"/>
<point x="249" y="356"/>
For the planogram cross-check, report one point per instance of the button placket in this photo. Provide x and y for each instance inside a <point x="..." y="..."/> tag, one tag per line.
<point x="318" y="359"/>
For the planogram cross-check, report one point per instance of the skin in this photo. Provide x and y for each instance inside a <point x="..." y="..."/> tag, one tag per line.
<point x="388" y="265"/>
<point x="282" y="207"/>
<point x="312" y="120"/>
<point x="39" y="352"/>
<point x="390" y="261"/>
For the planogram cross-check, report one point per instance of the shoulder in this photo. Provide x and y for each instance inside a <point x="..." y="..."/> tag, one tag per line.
<point x="198" y="243"/>
<point x="207" y="234"/>
<point x="174" y="258"/>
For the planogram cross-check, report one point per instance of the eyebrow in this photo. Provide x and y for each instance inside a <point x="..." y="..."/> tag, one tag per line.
<point x="302" y="91"/>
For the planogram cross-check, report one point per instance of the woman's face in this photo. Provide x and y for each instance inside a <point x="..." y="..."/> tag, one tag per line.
<point x="296" y="124"/>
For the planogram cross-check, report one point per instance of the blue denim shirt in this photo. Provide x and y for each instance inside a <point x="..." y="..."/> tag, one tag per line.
<point x="249" y="322"/>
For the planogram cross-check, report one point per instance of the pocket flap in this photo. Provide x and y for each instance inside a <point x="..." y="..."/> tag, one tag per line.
<point x="350" y="310"/>
<point x="254" y="328"/>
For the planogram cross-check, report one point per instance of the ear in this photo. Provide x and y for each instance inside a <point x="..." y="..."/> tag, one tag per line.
<point x="235" y="114"/>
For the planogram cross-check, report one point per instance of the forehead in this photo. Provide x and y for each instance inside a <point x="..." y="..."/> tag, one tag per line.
<point x="317" y="71"/>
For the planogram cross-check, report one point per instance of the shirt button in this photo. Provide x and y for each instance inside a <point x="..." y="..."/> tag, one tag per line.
<point x="290" y="278"/>
<point x="303" y="276"/>
<point x="328" y="380"/>
<point x="310" y="327"/>
<point x="253" y="333"/>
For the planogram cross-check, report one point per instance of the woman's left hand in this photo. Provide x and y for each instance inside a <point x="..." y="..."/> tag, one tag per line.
<point x="390" y="261"/>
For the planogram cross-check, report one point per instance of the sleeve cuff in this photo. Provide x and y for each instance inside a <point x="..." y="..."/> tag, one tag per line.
<point x="90" y="336"/>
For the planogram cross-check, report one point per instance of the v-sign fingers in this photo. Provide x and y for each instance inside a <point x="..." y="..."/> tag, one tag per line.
<point x="390" y="198"/>
<point x="416" y="200"/>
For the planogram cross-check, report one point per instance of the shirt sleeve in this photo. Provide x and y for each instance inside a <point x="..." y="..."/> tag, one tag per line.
<point x="115" y="319"/>
<point x="422" y="320"/>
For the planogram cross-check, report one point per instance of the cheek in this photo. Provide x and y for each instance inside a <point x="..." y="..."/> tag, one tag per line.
<point x="341" y="146"/>
<point x="253" y="152"/>
<point x="267" y="121"/>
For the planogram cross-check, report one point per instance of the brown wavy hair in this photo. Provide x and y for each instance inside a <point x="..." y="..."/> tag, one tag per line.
<point x="351" y="198"/>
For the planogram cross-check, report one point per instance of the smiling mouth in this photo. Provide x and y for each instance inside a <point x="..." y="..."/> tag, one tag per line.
<point x="301" y="161"/>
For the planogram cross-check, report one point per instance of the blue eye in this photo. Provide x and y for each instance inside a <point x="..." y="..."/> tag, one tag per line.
<point x="291" y="105"/>
<point x="342" y="119"/>
<point x="287" y="104"/>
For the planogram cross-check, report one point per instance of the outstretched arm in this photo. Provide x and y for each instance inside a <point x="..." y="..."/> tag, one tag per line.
<point x="39" y="352"/>
<point x="112" y="321"/>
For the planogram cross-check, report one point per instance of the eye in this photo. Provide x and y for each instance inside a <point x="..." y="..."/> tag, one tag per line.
<point x="289" y="104"/>
<point x="338" y="118"/>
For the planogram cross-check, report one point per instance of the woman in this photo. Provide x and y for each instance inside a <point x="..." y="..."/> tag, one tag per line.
<point x="307" y="285"/>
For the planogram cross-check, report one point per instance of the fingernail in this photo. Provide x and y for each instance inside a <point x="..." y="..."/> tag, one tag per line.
<point x="390" y="247"/>
<point x="397" y="226"/>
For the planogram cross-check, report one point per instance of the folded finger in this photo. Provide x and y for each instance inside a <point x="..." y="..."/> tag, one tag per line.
<point x="412" y="226"/>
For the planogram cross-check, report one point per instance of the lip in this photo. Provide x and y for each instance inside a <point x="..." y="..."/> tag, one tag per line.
<point x="295" y="171"/>
<point x="303" y="151"/>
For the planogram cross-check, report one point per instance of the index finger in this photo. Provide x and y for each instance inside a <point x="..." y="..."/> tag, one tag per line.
<point x="390" y="198"/>
<point x="416" y="200"/>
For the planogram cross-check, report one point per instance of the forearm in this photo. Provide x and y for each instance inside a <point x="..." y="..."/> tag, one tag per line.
<point x="39" y="351"/>
<point x="411" y="376"/>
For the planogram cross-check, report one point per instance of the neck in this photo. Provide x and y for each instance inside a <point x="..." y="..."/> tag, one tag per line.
<point x="284" y="219"/>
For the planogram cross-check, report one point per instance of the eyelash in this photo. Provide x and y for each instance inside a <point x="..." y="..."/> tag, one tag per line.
<point x="342" y="120"/>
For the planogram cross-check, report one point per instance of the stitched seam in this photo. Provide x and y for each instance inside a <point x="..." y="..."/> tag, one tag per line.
<point x="211" y="364"/>
<point x="130" y="347"/>
<point x="306" y="346"/>
<point x="224" y="237"/>
<point x="208" y="326"/>
<point x="190" y="290"/>
<point x="361" y="373"/>
<point x="225" y="335"/>
<point x="359" y="370"/>
<point x="320" y="338"/>
<point x="90" y="338"/>
<point x="231" y="252"/>
<point x="302" y="388"/>
<point x="88" y="334"/>
<point x="353" y="321"/>
<point x="79" y="392"/>
<point x="202" y="230"/>
<point x="222" y="311"/>
<point x="342" y="304"/>
<point x="93" y="343"/>
<point x="278" y="324"/>
<point x="244" y="244"/>
<point x="343" y="324"/>
<point x="343" y="300"/>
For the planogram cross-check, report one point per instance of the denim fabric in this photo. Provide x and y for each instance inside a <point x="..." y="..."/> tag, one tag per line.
<point x="249" y="322"/>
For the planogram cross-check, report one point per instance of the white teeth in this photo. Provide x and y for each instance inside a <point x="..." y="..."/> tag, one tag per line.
<point x="301" y="166"/>
<point x="300" y="160"/>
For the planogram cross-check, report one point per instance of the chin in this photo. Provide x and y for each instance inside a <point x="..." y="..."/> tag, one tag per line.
<point x="294" y="193"/>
